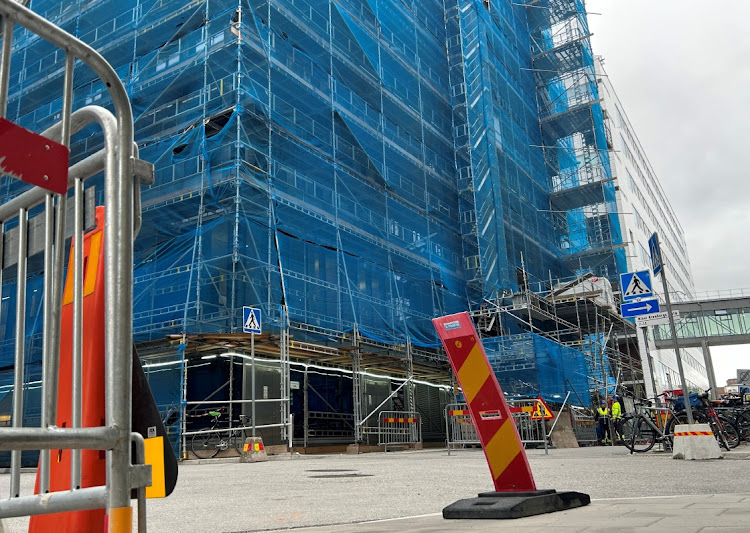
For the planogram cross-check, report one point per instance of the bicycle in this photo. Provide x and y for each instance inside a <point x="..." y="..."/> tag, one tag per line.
<point x="733" y="407"/>
<point x="643" y="431"/>
<point x="207" y="445"/>
<point x="742" y="421"/>
<point x="722" y="426"/>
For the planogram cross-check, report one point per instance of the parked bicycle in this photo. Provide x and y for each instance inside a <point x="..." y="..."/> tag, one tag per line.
<point x="742" y="421"/>
<point x="644" y="428"/>
<point x="723" y="427"/>
<point x="207" y="445"/>
<point x="736" y="410"/>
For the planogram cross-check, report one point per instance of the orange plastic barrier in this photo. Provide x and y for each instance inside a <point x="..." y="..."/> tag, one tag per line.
<point x="93" y="462"/>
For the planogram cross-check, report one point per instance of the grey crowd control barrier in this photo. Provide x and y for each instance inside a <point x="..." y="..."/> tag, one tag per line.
<point x="65" y="210"/>
<point x="461" y="433"/>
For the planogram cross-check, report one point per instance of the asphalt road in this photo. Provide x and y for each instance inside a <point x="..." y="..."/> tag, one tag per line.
<point x="320" y="490"/>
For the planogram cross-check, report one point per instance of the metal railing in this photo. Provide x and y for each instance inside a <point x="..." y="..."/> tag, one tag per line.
<point x="461" y="432"/>
<point x="719" y="294"/>
<point x="460" y="429"/>
<point x="49" y="234"/>
<point x="399" y="428"/>
<point x="584" y="426"/>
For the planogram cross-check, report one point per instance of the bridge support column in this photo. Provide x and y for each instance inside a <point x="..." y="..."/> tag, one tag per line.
<point x="709" y="368"/>
<point x="647" y="363"/>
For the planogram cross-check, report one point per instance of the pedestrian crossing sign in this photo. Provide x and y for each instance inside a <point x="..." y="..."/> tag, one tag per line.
<point x="636" y="285"/>
<point x="653" y="247"/>
<point x="541" y="410"/>
<point x="250" y="320"/>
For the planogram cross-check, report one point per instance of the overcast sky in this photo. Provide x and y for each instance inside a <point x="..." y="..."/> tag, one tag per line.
<point x="682" y="71"/>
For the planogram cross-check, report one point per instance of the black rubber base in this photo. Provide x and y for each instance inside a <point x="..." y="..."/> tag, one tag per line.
<point x="498" y="505"/>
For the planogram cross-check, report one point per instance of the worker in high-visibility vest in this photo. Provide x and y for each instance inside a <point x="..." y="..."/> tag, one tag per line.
<point x="602" y="414"/>
<point x="616" y="417"/>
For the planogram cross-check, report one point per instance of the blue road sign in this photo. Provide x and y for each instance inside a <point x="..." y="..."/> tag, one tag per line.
<point x="636" y="285"/>
<point x="250" y="320"/>
<point x="644" y="307"/>
<point x="656" y="262"/>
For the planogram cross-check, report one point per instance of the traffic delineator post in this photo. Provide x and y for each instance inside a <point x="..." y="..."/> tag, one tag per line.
<point x="515" y="492"/>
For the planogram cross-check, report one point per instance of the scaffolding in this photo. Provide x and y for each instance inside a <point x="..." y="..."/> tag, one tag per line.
<point x="352" y="168"/>
<point x="337" y="386"/>
<point x="564" y="335"/>
<point x="502" y="182"/>
<point x="576" y="143"/>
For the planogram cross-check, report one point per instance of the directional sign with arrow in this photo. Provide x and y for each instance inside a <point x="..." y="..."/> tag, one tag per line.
<point x="644" y="307"/>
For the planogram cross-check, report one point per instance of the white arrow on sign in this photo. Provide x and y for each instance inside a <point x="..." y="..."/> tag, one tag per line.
<point x="646" y="307"/>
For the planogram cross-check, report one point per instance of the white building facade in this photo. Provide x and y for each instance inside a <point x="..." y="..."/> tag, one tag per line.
<point x="644" y="209"/>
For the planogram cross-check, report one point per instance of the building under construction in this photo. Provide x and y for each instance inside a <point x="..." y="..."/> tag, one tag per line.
<point x="352" y="168"/>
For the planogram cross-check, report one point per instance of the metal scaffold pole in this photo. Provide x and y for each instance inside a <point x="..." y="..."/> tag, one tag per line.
<point x="285" y="388"/>
<point x="306" y="407"/>
<point x="357" y="386"/>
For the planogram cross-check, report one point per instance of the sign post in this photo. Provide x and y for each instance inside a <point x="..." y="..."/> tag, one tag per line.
<point x="251" y="324"/>
<point x="657" y="264"/>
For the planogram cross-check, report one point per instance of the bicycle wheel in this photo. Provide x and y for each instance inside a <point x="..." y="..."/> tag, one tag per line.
<point x="731" y="437"/>
<point x="742" y="421"/>
<point x="205" y="445"/>
<point x="239" y="439"/>
<point x="642" y="436"/>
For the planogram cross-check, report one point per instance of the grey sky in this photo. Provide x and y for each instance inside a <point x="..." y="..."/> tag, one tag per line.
<point x="682" y="70"/>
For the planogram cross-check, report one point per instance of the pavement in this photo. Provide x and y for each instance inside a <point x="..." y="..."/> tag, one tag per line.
<point x="407" y="490"/>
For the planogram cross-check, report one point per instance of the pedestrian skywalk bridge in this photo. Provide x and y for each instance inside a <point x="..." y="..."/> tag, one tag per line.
<point x="719" y="319"/>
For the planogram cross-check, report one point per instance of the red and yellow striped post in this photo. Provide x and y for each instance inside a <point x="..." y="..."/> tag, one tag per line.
<point x="515" y="493"/>
<point x="492" y="417"/>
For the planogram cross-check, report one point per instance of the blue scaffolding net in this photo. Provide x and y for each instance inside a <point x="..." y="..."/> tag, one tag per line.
<point x="342" y="164"/>
<point x="528" y="365"/>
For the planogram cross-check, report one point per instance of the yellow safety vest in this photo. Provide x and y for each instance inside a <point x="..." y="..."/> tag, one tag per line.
<point x="616" y="410"/>
<point x="603" y="412"/>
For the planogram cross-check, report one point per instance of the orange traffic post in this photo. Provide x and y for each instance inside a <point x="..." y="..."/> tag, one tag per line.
<point x="515" y="494"/>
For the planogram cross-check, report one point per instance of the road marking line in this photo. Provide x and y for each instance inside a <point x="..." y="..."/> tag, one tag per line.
<point x="400" y="518"/>
<point x="644" y="497"/>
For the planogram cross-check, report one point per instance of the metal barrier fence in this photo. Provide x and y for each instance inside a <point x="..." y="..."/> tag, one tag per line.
<point x="47" y="234"/>
<point x="460" y="430"/>
<point x="399" y="428"/>
<point x="584" y="426"/>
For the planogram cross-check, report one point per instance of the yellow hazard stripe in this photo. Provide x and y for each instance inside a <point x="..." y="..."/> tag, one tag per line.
<point x="120" y="520"/>
<point x="502" y="449"/>
<point x="155" y="457"/>
<point x="473" y="373"/>
<point x="692" y="433"/>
